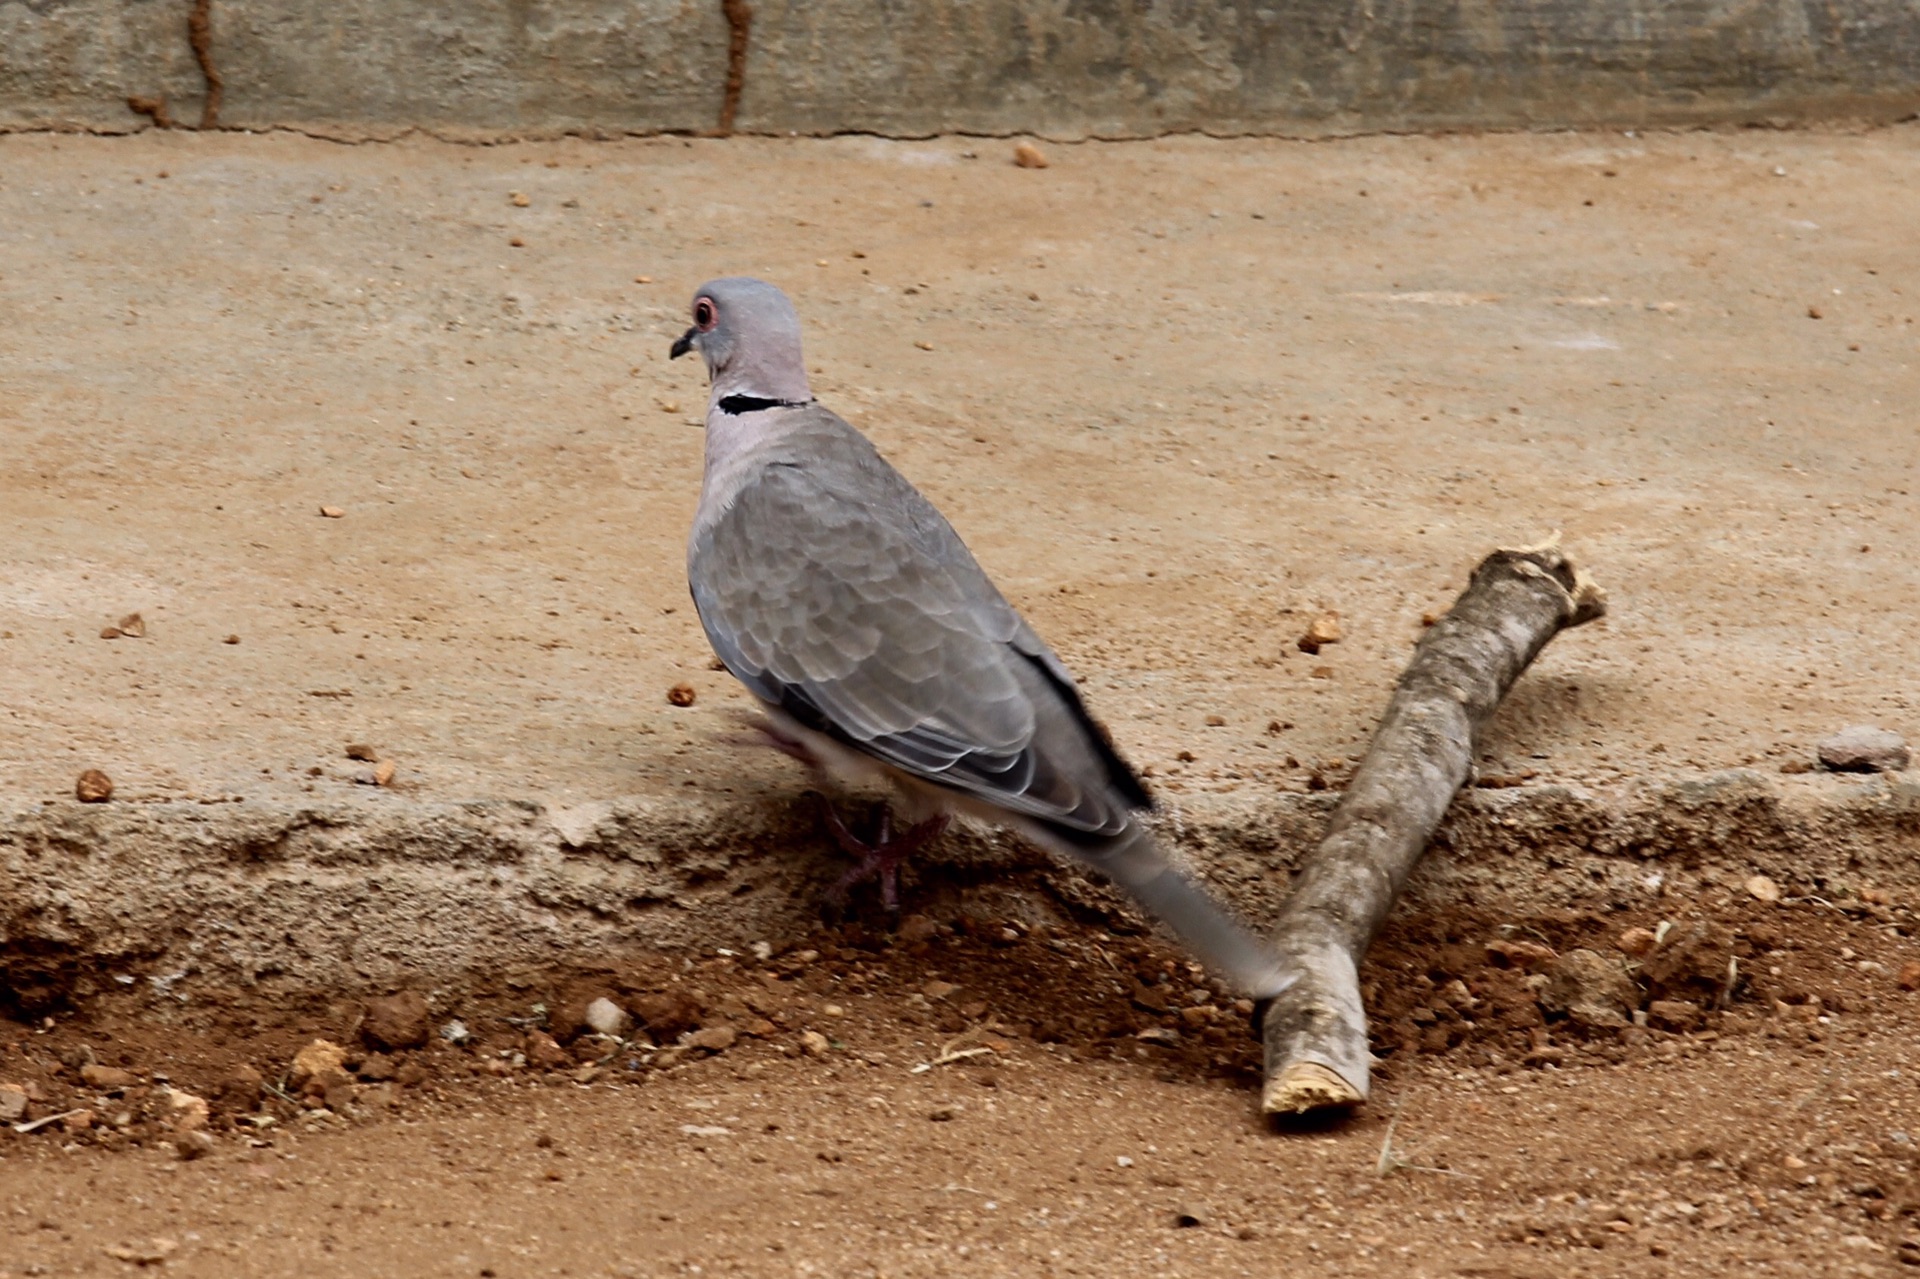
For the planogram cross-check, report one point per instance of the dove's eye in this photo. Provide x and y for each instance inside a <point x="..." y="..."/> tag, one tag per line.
<point x="703" y="314"/>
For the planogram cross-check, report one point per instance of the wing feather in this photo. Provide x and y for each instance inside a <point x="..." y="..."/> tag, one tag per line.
<point x="831" y="588"/>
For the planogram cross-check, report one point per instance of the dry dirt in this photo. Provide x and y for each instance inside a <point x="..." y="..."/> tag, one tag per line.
<point x="1181" y="397"/>
<point x="1093" y="1115"/>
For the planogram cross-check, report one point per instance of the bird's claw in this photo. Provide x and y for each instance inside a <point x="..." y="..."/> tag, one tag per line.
<point x="880" y="857"/>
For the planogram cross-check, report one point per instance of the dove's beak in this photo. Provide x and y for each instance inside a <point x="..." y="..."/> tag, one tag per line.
<point x="683" y="344"/>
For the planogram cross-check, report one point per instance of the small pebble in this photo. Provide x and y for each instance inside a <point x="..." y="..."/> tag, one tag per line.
<point x="397" y="1021"/>
<point x="189" y="1111"/>
<point x="1593" y="990"/>
<point x="1324" y="629"/>
<point x="1522" y="954"/>
<point x="94" y="787"/>
<point x="813" y="1043"/>
<point x="332" y="512"/>
<point x="152" y="1253"/>
<point x="544" y="1053"/>
<point x="1674" y="1014"/>
<point x="1865" y="748"/>
<point x="681" y="695"/>
<point x="917" y="928"/>
<point x="519" y="200"/>
<point x="318" y="1058"/>
<point x="107" y="1078"/>
<point x="1028" y="156"/>
<point x="383" y="772"/>
<point x="713" y="1039"/>
<point x="1636" y="941"/>
<point x="608" y="1018"/>
<point x="1763" y="889"/>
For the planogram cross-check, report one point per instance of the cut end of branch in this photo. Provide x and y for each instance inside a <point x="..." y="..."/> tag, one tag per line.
<point x="1586" y="600"/>
<point x="1306" y="1087"/>
<point x="1589" y="598"/>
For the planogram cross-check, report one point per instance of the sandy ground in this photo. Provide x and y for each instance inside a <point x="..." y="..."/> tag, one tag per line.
<point x="1180" y="397"/>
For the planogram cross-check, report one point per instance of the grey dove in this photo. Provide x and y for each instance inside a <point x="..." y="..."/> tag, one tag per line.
<point x="851" y="609"/>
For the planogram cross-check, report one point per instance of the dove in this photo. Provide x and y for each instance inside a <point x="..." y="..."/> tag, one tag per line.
<point x="880" y="650"/>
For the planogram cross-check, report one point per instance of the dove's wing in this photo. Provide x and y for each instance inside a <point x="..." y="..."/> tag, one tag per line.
<point x="835" y="591"/>
<point x="832" y="589"/>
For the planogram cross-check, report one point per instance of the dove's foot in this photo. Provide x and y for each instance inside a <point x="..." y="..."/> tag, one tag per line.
<point x="880" y="857"/>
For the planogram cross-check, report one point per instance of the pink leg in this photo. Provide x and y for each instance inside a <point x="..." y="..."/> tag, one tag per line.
<point x="879" y="859"/>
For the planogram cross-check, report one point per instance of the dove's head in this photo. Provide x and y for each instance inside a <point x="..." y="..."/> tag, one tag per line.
<point x="749" y="335"/>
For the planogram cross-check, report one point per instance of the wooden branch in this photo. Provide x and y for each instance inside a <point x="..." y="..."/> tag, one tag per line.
<point x="1315" y="1031"/>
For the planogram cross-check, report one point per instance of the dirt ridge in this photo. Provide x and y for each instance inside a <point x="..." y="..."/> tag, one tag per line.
<point x="350" y="893"/>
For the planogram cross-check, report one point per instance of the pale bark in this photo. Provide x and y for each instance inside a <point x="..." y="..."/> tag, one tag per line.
<point x="1421" y="754"/>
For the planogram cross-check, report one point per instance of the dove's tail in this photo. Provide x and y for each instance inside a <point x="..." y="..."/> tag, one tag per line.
<point x="1133" y="860"/>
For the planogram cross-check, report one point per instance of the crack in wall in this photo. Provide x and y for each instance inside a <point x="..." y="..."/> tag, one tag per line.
<point x="154" y="108"/>
<point x="200" y="36"/>
<point x="739" y="25"/>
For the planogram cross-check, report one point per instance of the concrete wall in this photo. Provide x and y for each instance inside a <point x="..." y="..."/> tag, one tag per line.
<point x="1066" y="68"/>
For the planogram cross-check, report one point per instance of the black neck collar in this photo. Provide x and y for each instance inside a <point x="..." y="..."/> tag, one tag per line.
<point x="734" y="405"/>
